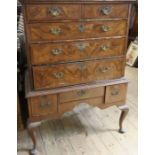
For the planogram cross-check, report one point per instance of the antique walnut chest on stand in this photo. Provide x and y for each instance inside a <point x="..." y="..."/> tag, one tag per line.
<point x="76" y="54"/>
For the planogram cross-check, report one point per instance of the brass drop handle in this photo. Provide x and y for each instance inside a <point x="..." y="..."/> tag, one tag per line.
<point x="81" y="46"/>
<point x="45" y="104"/>
<point x="58" y="75"/>
<point x="56" y="52"/>
<point x="106" y="10"/>
<point x="104" y="69"/>
<point x="104" y="48"/>
<point x="81" y="93"/>
<point x="81" y="28"/>
<point x="55" y="11"/>
<point x="105" y="28"/>
<point x="114" y="92"/>
<point x="56" y="30"/>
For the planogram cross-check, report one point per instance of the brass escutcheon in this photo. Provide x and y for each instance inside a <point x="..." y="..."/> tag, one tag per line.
<point x="81" y="28"/>
<point x="82" y="67"/>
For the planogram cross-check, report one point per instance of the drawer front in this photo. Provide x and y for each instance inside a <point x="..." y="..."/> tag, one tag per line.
<point x="81" y="94"/>
<point x="106" y="11"/>
<point x="63" y="107"/>
<point x="75" y="30"/>
<point x="53" y="12"/>
<point x="116" y="93"/>
<point x="74" y="51"/>
<point x="75" y="73"/>
<point x="43" y="105"/>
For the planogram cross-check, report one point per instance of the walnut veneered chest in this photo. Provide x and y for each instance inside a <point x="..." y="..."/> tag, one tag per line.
<point x="76" y="53"/>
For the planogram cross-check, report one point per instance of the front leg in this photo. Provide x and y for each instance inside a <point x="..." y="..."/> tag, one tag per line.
<point x="124" y="111"/>
<point x="30" y="128"/>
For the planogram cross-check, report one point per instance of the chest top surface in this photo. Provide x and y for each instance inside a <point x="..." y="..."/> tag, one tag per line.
<point x="33" y="1"/>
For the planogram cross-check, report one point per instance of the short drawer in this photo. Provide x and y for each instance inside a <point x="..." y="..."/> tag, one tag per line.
<point x="53" y="12"/>
<point x="81" y="94"/>
<point x="76" y="30"/>
<point x="43" y="105"/>
<point x="63" y="107"/>
<point x="48" y="53"/>
<point x="104" y="11"/>
<point x="116" y="93"/>
<point x="79" y="72"/>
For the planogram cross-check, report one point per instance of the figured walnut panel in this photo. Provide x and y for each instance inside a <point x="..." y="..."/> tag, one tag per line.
<point x="76" y="30"/>
<point x="81" y="94"/>
<point x="43" y="105"/>
<point x="76" y="73"/>
<point x="53" y="12"/>
<point x="103" y="11"/>
<point x="75" y="51"/>
<point x="116" y="93"/>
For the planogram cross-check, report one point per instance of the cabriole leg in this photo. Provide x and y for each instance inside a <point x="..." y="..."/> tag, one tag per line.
<point x="30" y="128"/>
<point x="124" y="111"/>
